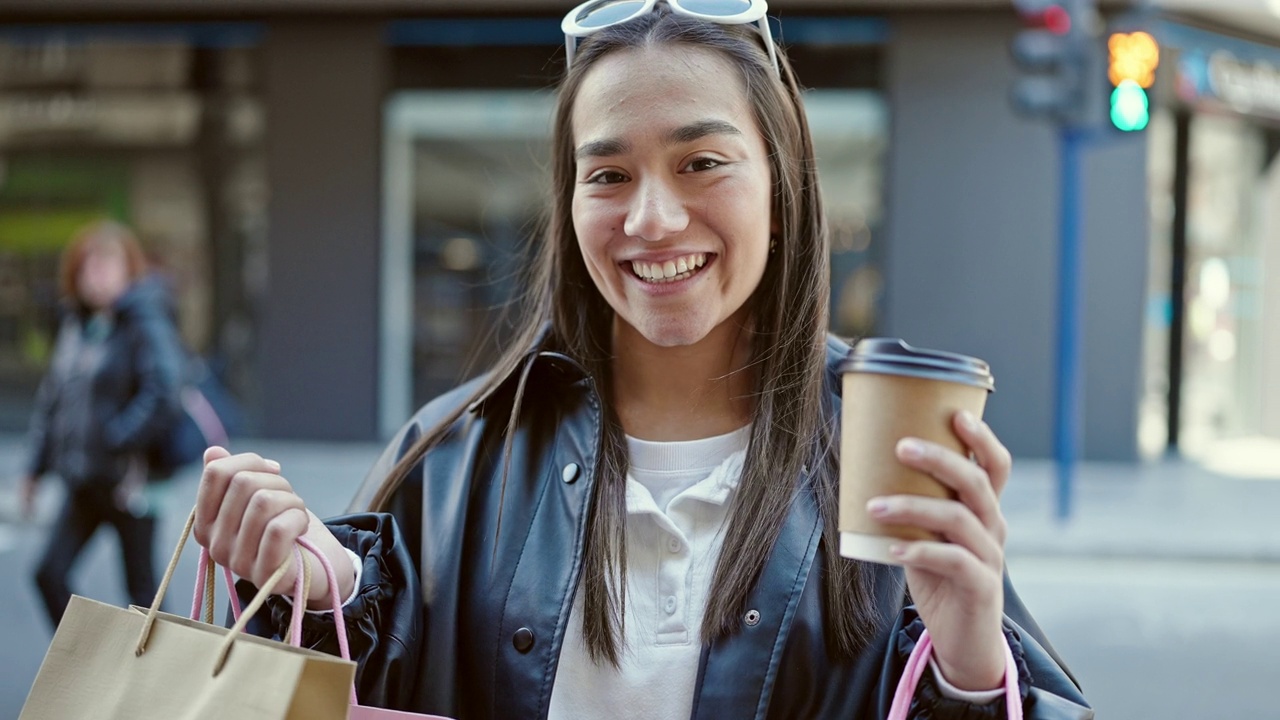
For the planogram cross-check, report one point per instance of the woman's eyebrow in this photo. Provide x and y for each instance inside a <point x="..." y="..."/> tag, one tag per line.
<point x="602" y="148"/>
<point x="612" y="147"/>
<point x="700" y="129"/>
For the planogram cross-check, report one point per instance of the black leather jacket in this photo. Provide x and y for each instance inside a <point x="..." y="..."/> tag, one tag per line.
<point x="111" y="389"/>
<point x="455" y="618"/>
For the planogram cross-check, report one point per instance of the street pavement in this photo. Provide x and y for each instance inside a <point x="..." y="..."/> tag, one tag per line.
<point x="1154" y="590"/>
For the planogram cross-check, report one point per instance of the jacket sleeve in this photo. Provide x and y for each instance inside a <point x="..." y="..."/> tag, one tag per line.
<point x="159" y="360"/>
<point x="384" y="619"/>
<point x="38" y="440"/>
<point x="1047" y="689"/>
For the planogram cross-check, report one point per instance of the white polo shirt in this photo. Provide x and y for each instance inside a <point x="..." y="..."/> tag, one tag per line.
<point x="677" y="499"/>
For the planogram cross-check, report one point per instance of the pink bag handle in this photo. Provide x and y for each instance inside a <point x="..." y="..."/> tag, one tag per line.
<point x="205" y="417"/>
<point x="299" y="599"/>
<point x="199" y="598"/>
<point x="919" y="660"/>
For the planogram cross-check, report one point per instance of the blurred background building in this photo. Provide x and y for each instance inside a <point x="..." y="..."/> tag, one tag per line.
<point x="341" y="190"/>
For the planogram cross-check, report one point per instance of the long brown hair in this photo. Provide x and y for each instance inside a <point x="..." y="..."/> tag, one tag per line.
<point x="791" y="447"/>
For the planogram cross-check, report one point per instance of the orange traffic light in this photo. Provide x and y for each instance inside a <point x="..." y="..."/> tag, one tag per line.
<point x="1134" y="56"/>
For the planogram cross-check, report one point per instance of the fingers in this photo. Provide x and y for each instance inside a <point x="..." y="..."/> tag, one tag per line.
<point x="948" y="518"/>
<point x="990" y="454"/>
<point x="215" y="453"/>
<point x="219" y="468"/>
<point x="276" y="542"/>
<point x="941" y="559"/>
<point x="251" y="502"/>
<point x="972" y="484"/>
<point x="974" y="525"/>
<point x="239" y="498"/>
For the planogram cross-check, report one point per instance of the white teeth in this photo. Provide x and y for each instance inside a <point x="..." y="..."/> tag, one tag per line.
<point x="675" y="269"/>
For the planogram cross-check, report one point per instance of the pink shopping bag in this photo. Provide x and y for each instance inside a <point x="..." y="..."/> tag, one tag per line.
<point x="919" y="660"/>
<point x="204" y="597"/>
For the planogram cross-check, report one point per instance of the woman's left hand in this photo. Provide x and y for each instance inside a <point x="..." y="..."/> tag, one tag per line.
<point x="957" y="585"/>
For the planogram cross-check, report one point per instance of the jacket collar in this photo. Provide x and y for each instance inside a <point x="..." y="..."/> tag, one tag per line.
<point x="536" y="358"/>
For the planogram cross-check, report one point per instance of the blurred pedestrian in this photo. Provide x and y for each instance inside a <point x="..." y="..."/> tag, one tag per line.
<point x="110" y="393"/>
<point x="633" y="514"/>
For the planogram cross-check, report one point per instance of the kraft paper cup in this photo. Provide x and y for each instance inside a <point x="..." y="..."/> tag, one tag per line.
<point x="891" y="391"/>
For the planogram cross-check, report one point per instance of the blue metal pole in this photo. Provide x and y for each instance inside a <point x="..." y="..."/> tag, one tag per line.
<point x="1068" y="395"/>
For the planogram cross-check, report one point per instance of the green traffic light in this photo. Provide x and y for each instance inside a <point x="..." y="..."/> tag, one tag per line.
<point x="1130" y="109"/>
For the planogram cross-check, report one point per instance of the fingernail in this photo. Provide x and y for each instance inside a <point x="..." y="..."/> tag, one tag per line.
<point x="911" y="449"/>
<point x="897" y="549"/>
<point x="878" y="506"/>
<point x="969" y="422"/>
<point x="273" y="464"/>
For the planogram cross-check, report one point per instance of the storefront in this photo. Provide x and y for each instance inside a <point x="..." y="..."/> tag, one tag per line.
<point x="342" y="203"/>
<point x="1212" y="371"/>
<point x="343" y="200"/>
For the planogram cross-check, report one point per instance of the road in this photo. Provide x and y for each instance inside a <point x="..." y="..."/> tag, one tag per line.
<point x="1161" y="640"/>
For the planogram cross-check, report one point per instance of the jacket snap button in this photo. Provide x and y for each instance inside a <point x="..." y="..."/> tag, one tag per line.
<point x="523" y="640"/>
<point x="570" y="472"/>
<point x="753" y="618"/>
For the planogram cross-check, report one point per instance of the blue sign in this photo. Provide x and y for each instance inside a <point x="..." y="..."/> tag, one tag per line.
<point x="1220" y="80"/>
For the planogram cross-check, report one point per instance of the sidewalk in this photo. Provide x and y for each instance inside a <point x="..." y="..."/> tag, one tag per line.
<point x="1170" y="509"/>
<point x="325" y="474"/>
<point x="1166" y="510"/>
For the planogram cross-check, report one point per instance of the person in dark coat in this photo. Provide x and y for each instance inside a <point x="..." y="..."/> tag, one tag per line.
<point x="634" y="512"/>
<point x="111" y="390"/>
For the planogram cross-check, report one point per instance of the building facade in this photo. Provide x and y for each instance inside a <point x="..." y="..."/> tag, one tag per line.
<point x="343" y="191"/>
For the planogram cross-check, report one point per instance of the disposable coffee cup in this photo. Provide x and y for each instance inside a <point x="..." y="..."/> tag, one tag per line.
<point x="891" y="391"/>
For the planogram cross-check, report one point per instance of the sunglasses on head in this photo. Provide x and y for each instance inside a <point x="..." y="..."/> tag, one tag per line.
<point x="595" y="15"/>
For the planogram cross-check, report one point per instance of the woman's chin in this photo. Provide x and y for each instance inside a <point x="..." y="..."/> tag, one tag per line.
<point x="674" y="334"/>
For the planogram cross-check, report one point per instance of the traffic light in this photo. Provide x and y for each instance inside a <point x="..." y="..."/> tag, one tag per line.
<point x="1132" y="59"/>
<point x="1054" y="50"/>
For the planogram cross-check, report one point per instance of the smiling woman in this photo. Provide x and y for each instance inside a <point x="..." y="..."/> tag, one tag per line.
<point x="638" y="500"/>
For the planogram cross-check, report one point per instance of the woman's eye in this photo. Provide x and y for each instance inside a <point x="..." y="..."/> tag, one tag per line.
<point x="607" y="177"/>
<point x="701" y="164"/>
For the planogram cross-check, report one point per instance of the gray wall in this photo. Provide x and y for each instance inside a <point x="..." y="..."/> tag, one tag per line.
<point x="324" y="81"/>
<point x="1116" y="251"/>
<point x="971" y="258"/>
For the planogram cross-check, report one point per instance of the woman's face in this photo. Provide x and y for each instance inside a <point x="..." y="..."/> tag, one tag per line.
<point x="104" y="275"/>
<point x="673" y="194"/>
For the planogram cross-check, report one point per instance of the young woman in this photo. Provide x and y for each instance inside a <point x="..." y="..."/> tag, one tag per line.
<point x="633" y="514"/>
<point x="112" y="387"/>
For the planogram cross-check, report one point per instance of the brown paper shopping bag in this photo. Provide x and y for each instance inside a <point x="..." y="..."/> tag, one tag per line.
<point x="203" y="599"/>
<point x="108" y="663"/>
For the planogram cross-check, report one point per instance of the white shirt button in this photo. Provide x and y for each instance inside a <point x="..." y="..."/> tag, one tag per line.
<point x="671" y="605"/>
<point x="673" y="544"/>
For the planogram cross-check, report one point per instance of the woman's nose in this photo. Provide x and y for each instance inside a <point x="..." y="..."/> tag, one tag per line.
<point x="657" y="211"/>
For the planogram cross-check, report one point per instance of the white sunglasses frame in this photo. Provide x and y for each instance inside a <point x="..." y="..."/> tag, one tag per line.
<point x="756" y="13"/>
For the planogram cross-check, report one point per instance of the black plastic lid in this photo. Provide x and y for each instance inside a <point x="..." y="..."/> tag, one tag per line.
<point x="892" y="356"/>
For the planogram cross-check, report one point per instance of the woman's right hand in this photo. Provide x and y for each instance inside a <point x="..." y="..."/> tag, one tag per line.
<point x="249" y="518"/>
